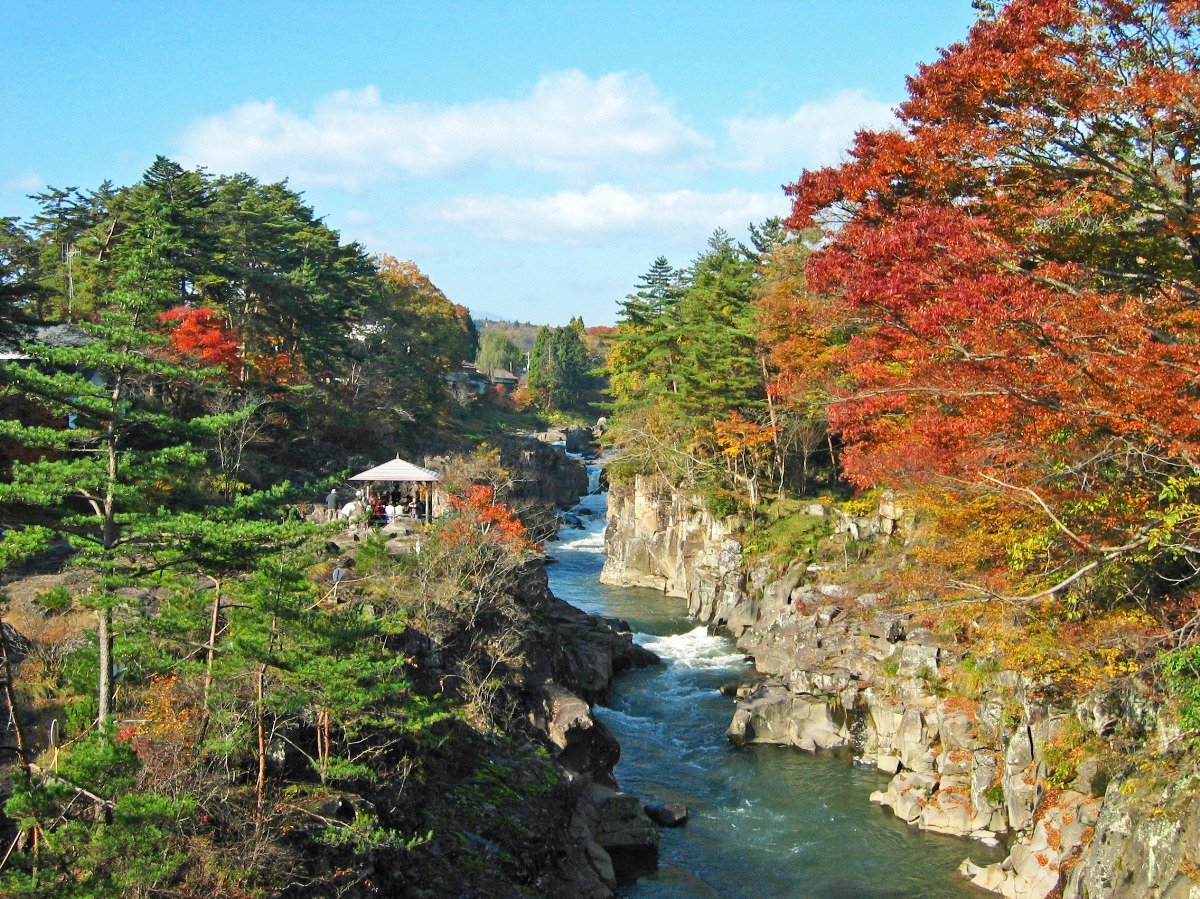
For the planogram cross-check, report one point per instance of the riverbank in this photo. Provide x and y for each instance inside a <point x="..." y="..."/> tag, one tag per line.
<point x="971" y="749"/>
<point x="763" y="820"/>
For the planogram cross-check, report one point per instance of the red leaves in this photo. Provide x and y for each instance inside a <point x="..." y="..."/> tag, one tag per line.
<point x="199" y="334"/>
<point x="481" y="518"/>
<point x="1016" y="269"/>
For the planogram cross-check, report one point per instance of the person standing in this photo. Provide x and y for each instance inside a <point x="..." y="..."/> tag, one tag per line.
<point x="331" y="504"/>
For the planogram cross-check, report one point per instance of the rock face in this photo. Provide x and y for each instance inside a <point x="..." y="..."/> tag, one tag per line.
<point x="838" y="671"/>
<point x="572" y="659"/>
<point x="661" y="539"/>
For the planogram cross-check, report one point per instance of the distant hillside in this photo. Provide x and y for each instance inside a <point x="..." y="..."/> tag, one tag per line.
<point x="522" y="334"/>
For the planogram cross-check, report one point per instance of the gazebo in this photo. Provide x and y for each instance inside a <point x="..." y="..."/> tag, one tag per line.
<point x="399" y="471"/>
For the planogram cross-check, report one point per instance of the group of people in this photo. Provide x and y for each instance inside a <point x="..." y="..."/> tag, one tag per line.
<point x="382" y="509"/>
<point x="395" y="507"/>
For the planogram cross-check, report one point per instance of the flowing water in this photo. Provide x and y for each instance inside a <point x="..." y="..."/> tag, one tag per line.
<point x="764" y="820"/>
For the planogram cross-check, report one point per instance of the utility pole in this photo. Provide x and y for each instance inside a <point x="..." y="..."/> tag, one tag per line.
<point x="68" y="257"/>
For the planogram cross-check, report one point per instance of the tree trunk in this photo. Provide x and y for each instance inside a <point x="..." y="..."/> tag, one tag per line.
<point x="110" y="535"/>
<point x="10" y="695"/>
<point x="213" y="625"/>
<point x="260" y="783"/>
<point x="104" y="637"/>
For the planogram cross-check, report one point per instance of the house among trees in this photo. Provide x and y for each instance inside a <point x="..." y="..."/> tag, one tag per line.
<point x="470" y="382"/>
<point x="467" y="383"/>
<point x="504" y="379"/>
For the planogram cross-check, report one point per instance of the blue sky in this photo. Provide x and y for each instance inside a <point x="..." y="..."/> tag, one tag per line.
<point x="531" y="158"/>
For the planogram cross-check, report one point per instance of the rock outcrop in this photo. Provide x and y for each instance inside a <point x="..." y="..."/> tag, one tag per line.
<point x="840" y="671"/>
<point x="573" y="658"/>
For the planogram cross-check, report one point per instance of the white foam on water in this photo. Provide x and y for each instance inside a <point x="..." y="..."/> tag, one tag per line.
<point x="591" y="538"/>
<point x="694" y="649"/>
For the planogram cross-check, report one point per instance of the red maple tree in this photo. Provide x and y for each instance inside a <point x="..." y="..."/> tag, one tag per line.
<point x="1018" y="267"/>
<point x="198" y="333"/>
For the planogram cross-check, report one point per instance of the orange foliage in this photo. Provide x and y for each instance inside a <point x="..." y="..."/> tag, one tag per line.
<point x="199" y="334"/>
<point x="278" y="368"/>
<point x="164" y="739"/>
<point x="1021" y="321"/>
<point x="481" y="518"/>
<point x="737" y="435"/>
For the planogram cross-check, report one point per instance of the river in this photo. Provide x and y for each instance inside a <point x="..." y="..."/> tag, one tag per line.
<point x="764" y="821"/>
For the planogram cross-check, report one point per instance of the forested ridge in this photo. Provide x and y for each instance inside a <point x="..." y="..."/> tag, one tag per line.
<point x="194" y="706"/>
<point x="988" y="312"/>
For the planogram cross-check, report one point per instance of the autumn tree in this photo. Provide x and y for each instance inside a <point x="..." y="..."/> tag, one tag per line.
<point x="411" y="337"/>
<point x="1017" y="266"/>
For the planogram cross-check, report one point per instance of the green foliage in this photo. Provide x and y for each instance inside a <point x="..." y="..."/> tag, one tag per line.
<point x="56" y="599"/>
<point x="100" y="763"/>
<point x="135" y="847"/>
<point x="719" y="503"/>
<point x="497" y="351"/>
<point x="559" y="369"/>
<point x="1180" y="669"/>
<point x="788" y="534"/>
<point x="684" y="355"/>
<point x="140" y="849"/>
<point x="1062" y="754"/>
<point x="994" y="794"/>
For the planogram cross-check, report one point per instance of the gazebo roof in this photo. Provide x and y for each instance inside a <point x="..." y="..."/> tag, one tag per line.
<point x="397" y="470"/>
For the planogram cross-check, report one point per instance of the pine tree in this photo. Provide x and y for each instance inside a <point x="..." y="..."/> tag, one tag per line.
<point x="113" y="454"/>
<point x="559" y="370"/>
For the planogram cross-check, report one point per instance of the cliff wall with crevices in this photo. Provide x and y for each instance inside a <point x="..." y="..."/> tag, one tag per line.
<point x="969" y="746"/>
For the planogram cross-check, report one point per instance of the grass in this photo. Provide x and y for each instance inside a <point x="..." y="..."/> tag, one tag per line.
<point x="787" y="532"/>
<point x="482" y="420"/>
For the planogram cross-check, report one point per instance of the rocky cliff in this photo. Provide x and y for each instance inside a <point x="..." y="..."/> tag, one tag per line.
<point x="573" y="658"/>
<point x="973" y="750"/>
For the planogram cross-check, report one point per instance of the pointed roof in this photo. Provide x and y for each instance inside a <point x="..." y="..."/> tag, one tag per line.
<point x="397" y="470"/>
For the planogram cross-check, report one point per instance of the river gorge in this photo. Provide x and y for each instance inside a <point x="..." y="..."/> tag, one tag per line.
<point x="763" y="820"/>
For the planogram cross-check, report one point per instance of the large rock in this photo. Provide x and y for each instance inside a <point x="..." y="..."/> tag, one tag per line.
<point x="667" y="814"/>
<point x="585" y="746"/>
<point x="1035" y="866"/>
<point x="775" y="715"/>
<point x="624" y="830"/>
<point x="1147" y="840"/>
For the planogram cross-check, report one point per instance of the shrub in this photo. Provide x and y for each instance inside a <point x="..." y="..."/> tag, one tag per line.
<point x="719" y="504"/>
<point x="56" y="599"/>
<point x="1181" y="670"/>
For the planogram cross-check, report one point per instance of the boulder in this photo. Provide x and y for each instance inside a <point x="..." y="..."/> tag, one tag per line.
<point x="887" y="626"/>
<point x="773" y="715"/>
<point x="667" y="814"/>
<point x="585" y="746"/>
<point x="624" y="831"/>
<point x="1035" y="865"/>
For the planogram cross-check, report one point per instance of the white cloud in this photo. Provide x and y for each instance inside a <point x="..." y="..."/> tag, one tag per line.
<point x="814" y="135"/>
<point x="25" y="182"/>
<point x="607" y="210"/>
<point x="568" y="125"/>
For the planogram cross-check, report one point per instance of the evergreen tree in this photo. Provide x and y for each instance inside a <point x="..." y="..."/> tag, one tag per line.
<point x="641" y="359"/>
<point x="21" y="293"/>
<point x="559" y="370"/>
<point x="114" y="460"/>
<point x="718" y="368"/>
